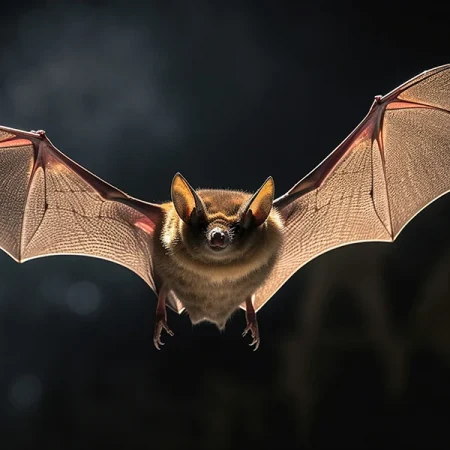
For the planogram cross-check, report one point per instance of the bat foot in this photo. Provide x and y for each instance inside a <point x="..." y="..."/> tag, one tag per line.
<point x="161" y="324"/>
<point x="252" y="326"/>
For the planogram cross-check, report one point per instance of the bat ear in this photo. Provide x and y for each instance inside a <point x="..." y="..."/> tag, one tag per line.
<point x="259" y="206"/>
<point x="185" y="199"/>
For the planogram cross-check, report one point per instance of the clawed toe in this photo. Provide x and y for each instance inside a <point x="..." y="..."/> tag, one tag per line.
<point x="253" y="328"/>
<point x="160" y="325"/>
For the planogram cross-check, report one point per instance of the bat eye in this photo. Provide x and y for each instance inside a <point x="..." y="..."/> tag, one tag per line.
<point x="236" y="228"/>
<point x="202" y="227"/>
<point x="199" y="222"/>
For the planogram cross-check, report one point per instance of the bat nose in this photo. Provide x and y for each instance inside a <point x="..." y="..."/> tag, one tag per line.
<point x="218" y="238"/>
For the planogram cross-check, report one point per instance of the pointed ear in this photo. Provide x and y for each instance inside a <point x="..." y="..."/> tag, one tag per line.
<point x="259" y="206"/>
<point x="185" y="199"/>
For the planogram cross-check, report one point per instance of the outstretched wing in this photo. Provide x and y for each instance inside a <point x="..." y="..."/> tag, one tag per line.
<point x="49" y="205"/>
<point x="395" y="163"/>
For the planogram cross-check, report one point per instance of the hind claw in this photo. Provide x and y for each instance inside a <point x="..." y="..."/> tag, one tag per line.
<point x="252" y="323"/>
<point x="161" y="324"/>
<point x="252" y="326"/>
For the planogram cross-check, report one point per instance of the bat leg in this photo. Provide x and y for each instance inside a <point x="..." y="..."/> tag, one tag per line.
<point x="252" y="323"/>
<point x="161" y="319"/>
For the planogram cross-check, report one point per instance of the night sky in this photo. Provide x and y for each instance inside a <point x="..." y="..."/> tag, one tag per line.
<point x="355" y="348"/>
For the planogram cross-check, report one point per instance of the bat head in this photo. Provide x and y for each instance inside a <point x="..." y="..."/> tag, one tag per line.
<point x="221" y="225"/>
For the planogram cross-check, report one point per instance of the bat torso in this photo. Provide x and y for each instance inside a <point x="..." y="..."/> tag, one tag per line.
<point x="211" y="290"/>
<point x="213" y="296"/>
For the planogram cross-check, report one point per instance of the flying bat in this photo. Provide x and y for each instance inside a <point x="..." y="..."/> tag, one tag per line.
<point x="210" y="251"/>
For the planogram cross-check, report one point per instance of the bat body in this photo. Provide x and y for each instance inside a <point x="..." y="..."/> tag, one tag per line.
<point x="215" y="255"/>
<point x="212" y="277"/>
<point x="209" y="252"/>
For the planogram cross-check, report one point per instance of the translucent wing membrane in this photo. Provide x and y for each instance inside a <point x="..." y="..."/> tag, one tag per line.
<point x="395" y="163"/>
<point x="51" y="206"/>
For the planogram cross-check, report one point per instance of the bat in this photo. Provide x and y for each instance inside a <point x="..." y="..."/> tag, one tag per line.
<point x="210" y="252"/>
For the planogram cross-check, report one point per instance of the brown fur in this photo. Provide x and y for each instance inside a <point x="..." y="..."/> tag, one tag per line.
<point x="211" y="287"/>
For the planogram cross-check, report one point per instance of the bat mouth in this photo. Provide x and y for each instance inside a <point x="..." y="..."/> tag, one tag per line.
<point x="216" y="248"/>
<point x="218" y="254"/>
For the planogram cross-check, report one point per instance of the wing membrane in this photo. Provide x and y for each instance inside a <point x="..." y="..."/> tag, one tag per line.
<point x="394" y="164"/>
<point x="52" y="206"/>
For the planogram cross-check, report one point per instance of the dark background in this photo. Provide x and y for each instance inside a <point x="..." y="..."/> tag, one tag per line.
<point x="355" y="349"/>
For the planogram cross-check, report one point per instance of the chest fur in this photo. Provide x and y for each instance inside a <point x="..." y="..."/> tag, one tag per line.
<point x="212" y="290"/>
<point x="213" y="298"/>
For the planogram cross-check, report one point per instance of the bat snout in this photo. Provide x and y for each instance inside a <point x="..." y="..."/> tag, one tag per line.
<point x="218" y="238"/>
